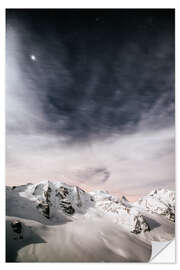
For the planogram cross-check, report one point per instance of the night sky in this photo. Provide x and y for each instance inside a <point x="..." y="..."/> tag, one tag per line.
<point x="90" y="98"/>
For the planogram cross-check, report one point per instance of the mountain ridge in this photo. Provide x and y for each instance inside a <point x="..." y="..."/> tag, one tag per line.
<point x="53" y="200"/>
<point x="93" y="226"/>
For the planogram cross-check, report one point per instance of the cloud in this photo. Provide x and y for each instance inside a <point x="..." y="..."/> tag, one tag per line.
<point x="92" y="96"/>
<point x="101" y="118"/>
<point x="93" y="175"/>
<point x="134" y="163"/>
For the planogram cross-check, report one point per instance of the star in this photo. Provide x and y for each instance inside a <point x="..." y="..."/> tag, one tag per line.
<point x="97" y="19"/>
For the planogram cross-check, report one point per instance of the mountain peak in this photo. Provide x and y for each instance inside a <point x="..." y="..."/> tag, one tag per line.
<point x="160" y="201"/>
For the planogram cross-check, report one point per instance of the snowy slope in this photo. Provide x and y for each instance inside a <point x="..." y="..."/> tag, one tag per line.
<point x="80" y="226"/>
<point x="83" y="240"/>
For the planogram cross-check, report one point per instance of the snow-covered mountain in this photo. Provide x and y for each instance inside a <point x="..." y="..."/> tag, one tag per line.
<point x="53" y="213"/>
<point x="47" y="202"/>
<point x="120" y="211"/>
<point x="159" y="201"/>
<point x="50" y="202"/>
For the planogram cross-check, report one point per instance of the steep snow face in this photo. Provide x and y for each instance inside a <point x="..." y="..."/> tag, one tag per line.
<point x="159" y="201"/>
<point x="48" y="199"/>
<point x="69" y="199"/>
<point x="120" y="212"/>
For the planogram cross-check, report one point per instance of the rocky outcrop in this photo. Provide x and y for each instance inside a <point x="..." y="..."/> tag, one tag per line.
<point x="170" y="214"/>
<point x="44" y="208"/>
<point x="65" y="204"/>
<point x="159" y="201"/>
<point x="16" y="226"/>
<point x="44" y="205"/>
<point x="62" y="192"/>
<point x="138" y="223"/>
<point x="67" y="207"/>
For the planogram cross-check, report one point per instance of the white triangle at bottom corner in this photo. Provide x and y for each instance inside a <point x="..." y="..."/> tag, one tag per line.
<point x="163" y="252"/>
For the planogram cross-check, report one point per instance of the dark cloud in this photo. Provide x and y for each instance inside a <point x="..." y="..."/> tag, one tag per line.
<point x="97" y="105"/>
<point x="95" y="79"/>
<point x="93" y="175"/>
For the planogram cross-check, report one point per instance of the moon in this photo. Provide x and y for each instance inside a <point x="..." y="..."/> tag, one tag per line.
<point x="33" y="57"/>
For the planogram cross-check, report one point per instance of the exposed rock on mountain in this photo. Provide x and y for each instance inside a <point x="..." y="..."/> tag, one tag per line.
<point x="17" y="229"/>
<point x="159" y="201"/>
<point x="47" y="200"/>
<point x="138" y="222"/>
<point x="94" y="226"/>
<point x="121" y="212"/>
<point x="51" y="200"/>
